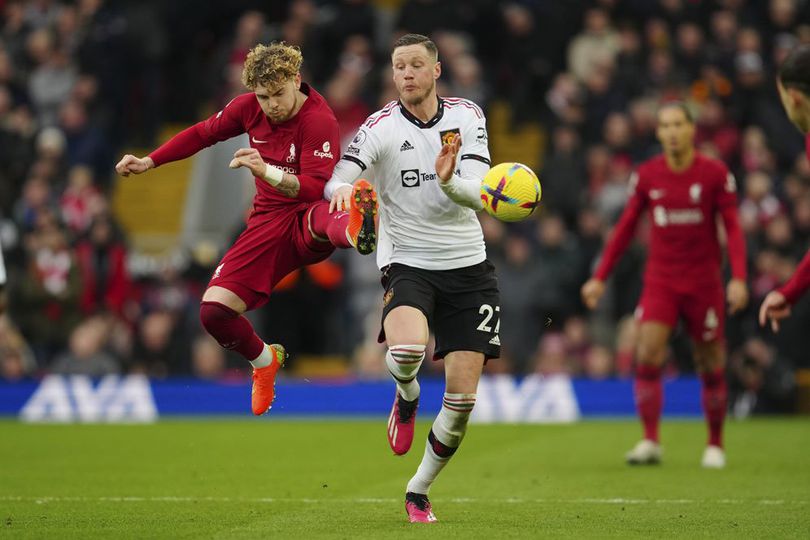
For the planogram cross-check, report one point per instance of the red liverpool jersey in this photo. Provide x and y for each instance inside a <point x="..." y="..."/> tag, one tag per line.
<point x="307" y="145"/>
<point x="800" y="281"/>
<point x="684" y="250"/>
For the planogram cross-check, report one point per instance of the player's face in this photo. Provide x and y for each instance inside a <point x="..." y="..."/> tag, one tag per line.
<point x="791" y="102"/>
<point x="675" y="132"/>
<point x="279" y="102"/>
<point x="415" y="73"/>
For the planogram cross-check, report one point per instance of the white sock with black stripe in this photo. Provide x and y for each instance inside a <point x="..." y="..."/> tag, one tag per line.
<point x="443" y="440"/>
<point x="403" y="362"/>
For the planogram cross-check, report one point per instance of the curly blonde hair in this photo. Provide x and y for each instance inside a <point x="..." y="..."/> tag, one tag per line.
<point x="271" y="65"/>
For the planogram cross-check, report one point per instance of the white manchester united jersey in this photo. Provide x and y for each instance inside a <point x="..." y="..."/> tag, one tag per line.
<point x="420" y="225"/>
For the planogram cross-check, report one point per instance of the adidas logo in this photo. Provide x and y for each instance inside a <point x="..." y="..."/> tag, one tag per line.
<point x="406" y="146"/>
<point x="495" y="341"/>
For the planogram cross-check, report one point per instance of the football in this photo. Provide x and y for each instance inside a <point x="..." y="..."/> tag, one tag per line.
<point x="510" y="191"/>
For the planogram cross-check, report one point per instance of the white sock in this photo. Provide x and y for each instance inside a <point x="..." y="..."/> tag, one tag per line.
<point x="264" y="359"/>
<point x="403" y="362"/>
<point x="444" y="439"/>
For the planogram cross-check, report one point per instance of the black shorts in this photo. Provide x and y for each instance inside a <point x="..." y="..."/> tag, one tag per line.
<point x="462" y="306"/>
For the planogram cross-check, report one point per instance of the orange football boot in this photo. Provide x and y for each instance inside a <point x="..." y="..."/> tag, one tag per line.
<point x="264" y="381"/>
<point x="362" y="229"/>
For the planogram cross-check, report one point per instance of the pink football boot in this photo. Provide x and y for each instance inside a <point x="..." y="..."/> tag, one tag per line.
<point x="401" y="423"/>
<point x="418" y="508"/>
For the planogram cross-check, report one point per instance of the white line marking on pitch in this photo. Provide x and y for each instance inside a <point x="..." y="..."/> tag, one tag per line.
<point x="375" y="500"/>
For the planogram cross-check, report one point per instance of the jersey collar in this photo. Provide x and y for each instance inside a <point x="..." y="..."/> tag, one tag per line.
<point x="417" y="122"/>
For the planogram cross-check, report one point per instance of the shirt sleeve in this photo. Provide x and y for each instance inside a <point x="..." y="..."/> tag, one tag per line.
<point x="799" y="282"/>
<point x="625" y="229"/>
<point x="464" y="188"/>
<point x="727" y="205"/>
<point x="221" y="126"/>
<point x="320" y="149"/>
<point x="363" y="152"/>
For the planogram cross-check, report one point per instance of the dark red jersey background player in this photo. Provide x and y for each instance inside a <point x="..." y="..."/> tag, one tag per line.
<point x="794" y="89"/>
<point x="683" y="193"/>
<point x="295" y="144"/>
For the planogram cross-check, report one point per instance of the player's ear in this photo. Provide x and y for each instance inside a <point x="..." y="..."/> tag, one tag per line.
<point x="437" y="70"/>
<point x="297" y="79"/>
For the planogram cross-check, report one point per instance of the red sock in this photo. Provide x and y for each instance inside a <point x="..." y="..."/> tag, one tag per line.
<point x="230" y="329"/>
<point x="649" y="394"/>
<point x="714" y="396"/>
<point x="331" y="226"/>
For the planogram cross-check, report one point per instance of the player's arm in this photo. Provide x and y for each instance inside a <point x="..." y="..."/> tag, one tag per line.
<point x="737" y="290"/>
<point x="620" y="238"/>
<point x="286" y="183"/>
<point x="362" y="153"/>
<point x="225" y="124"/>
<point x="471" y="153"/>
<point x="776" y="305"/>
<point x="2" y="282"/>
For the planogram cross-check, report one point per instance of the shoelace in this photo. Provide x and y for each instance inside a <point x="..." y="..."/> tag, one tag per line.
<point x="406" y="409"/>
<point x="421" y="501"/>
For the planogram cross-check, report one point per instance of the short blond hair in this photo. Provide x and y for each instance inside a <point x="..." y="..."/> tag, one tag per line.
<point x="271" y="65"/>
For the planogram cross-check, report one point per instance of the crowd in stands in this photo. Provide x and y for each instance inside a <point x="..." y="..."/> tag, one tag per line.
<point x="81" y="80"/>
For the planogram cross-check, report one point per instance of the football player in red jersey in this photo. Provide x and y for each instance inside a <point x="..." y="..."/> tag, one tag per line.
<point x="683" y="193"/>
<point x="794" y="89"/>
<point x="294" y="147"/>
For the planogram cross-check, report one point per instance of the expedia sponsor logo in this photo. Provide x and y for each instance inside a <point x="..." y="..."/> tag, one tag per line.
<point x="449" y="135"/>
<point x="325" y="153"/>
<point x="686" y="216"/>
<point x="410" y="178"/>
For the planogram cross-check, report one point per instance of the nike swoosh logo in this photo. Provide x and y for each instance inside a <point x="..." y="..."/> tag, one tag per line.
<point x="257" y="141"/>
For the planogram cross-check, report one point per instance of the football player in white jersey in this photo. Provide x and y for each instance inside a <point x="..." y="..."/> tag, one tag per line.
<point x="429" y="155"/>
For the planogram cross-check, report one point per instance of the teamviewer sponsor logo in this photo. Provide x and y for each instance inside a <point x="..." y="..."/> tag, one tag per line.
<point x="410" y="178"/>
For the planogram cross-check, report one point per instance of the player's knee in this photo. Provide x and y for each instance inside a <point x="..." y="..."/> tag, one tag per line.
<point x="213" y="314"/>
<point x="650" y="353"/>
<point x="710" y="357"/>
<point x="403" y="361"/>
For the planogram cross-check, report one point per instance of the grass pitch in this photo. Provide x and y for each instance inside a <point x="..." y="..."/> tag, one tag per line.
<point x="273" y="478"/>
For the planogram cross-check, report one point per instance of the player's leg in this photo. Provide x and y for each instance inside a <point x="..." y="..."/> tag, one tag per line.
<point x="462" y="372"/>
<point x="467" y="321"/>
<point x="355" y="228"/>
<point x="710" y="359"/>
<point x="407" y="334"/>
<point x="706" y="322"/>
<point x="407" y="300"/>
<point x="658" y="314"/>
<point x="221" y="314"/>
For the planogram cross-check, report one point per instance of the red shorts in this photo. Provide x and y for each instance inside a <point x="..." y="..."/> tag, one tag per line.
<point x="271" y="247"/>
<point x="703" y="310"/>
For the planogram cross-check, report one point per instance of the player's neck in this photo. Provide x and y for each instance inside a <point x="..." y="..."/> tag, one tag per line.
<point x="300" y="98"/>
<point x="680" y="161"/>
<point x="424" y="110"/>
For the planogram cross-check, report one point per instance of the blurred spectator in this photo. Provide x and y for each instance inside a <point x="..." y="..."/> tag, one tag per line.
<point x="597" y="45"/>
<point x="46" y="303"/>
<point x="16" y="359"/>
<point x="101" y="257"/>
<point x="86" y="354"/>
<point x="207" y="358"/>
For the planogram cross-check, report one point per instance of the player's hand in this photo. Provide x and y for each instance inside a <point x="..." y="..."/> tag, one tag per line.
<point x="737" y="295"/>
<point x="446" y="160"/>
<point x="250" y="158"/>
<point x="341" y="198"/>
<point x="130" y="164"/>
<point x="775" y="308"/>
<point x="592" y="291"/>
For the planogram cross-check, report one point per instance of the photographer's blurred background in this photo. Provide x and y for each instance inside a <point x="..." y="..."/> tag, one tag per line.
<point x="105" y="273"/>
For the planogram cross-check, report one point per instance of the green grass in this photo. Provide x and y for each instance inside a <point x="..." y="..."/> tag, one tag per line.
<point x="314" y="479"/>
